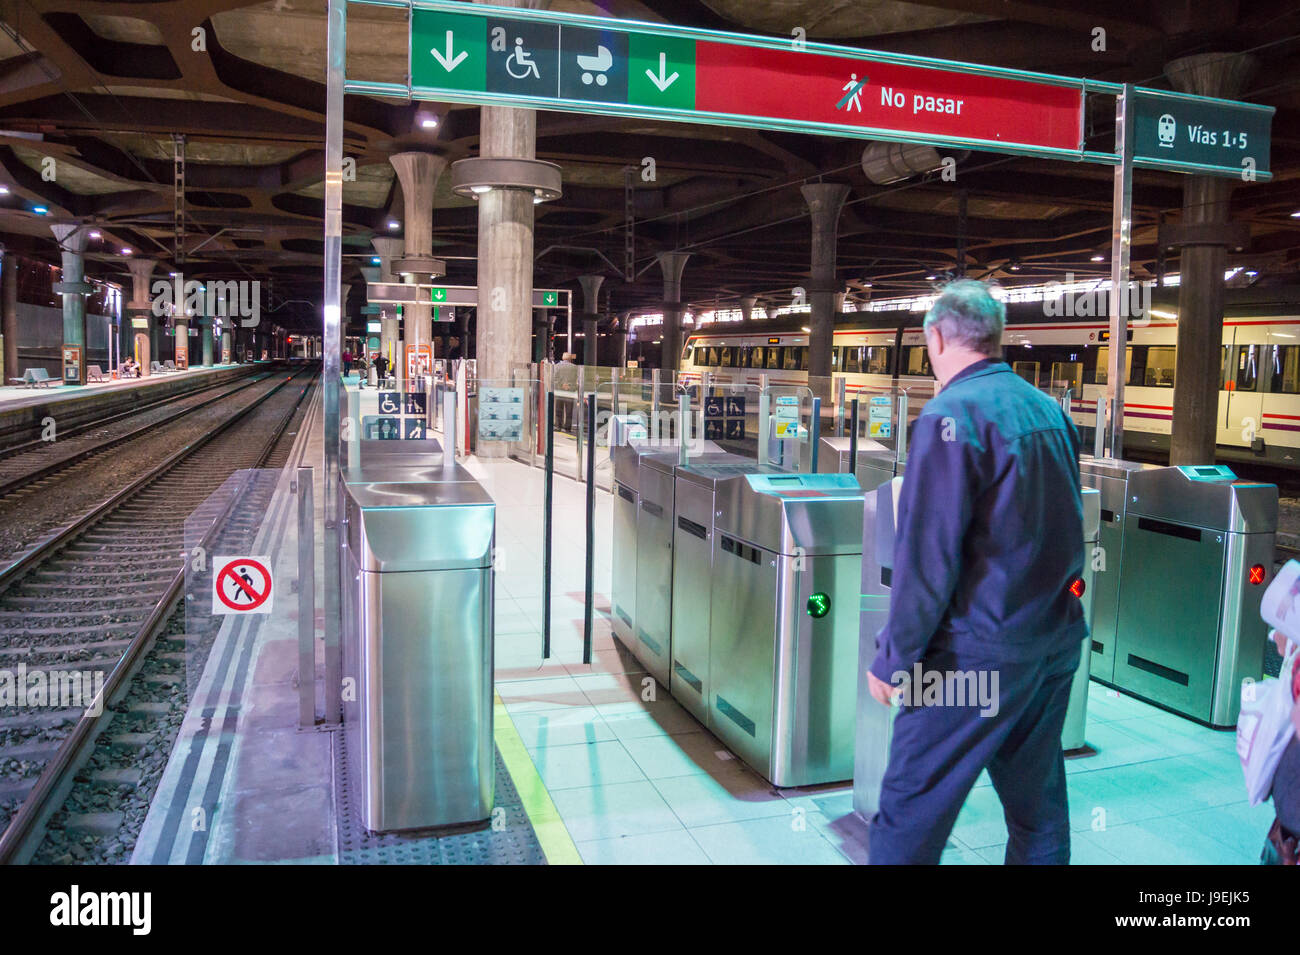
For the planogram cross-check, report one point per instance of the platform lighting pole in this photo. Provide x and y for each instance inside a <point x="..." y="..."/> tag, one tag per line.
<point x="1121" y="236"/>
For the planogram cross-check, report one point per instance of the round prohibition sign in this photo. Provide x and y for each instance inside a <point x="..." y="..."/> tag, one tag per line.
<point x="240" y="589"/>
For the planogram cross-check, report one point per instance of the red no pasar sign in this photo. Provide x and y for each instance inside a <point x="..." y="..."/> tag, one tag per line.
<point x="803" y="86"/>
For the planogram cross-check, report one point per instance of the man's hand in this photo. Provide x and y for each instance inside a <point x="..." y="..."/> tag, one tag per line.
<point x="883" y="692"/>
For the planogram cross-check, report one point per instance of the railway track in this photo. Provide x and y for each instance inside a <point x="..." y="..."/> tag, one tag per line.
<point x="25" y="468"/>
<point x="101" y="597"/>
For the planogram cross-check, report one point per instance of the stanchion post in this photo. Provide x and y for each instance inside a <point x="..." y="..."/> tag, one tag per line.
<point x="546" y="525"/>
<point x="591" y="529"/>
<point x="306" y="599"/>
<point x="815" y="434"/>
<point x="853" y="436"/>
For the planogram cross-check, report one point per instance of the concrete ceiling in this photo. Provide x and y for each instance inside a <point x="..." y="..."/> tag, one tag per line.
<point x="103" y="87"/>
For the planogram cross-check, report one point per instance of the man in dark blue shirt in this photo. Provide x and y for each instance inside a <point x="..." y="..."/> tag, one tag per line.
<point x="984" y="631"/>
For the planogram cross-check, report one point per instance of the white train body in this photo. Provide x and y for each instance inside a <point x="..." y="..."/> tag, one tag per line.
<point x="1259" y="387"/>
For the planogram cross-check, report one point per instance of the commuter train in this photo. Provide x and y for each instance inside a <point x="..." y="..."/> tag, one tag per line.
<point x="877" y="352"/>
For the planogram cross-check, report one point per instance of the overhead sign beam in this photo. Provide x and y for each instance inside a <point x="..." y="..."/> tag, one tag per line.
<point x="476" y="53"/>
<point x="409" y="293"/>
<point x="503" y="56"/>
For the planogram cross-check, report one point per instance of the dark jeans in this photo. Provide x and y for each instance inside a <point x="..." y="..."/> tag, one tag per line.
<point x="938" y="752"/>
<point x="564" y="414"/>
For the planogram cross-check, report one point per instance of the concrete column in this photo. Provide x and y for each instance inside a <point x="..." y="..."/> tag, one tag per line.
<point x="590" y="315"/>
<point x="672" y="264"/>
<point x="141" y="306"/>
<point x="825" y="200"/>
<point x="418" y="173"/>
<point x="205" y="339"/>
<point x="9" y="315"/>
<point x="505" y="247"/>
<point x="747" y="303"/>
<point x="1202" y="262"/>
<point x="72" y="243"/>
<point x="770" y="309"/>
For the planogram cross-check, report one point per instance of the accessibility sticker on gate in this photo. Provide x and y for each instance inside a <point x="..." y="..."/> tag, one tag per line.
<point x="241" y="585"/>
<point x="879" y="416"/>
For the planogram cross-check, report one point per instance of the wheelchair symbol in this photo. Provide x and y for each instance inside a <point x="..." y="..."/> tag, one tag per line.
<point x="596" y="66"/>
<point x="522" y="59"/>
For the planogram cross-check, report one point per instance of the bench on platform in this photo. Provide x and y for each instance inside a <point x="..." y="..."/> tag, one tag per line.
<point x="34" y="378"/>
<point x="95" y="373"/>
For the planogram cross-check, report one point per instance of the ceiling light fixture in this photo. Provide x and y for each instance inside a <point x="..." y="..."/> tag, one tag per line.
<point x="429" y="122"/>
<point x="95" y="235"/>
<point x="126" y="251"/>
<point x="40" y="210"/>
<point x="394" y="224"/>
<point x="1099" y="258"/>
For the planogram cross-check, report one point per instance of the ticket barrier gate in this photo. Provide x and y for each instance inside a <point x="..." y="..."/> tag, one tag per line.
<point x="1110" y="478"/>
<point x="417" y="535"/>
<point x="642" y="573"/>
<point x="875" y="723"/>
<point x="1197" y="557"/>
<point x="787" y="555"/>
<point x="876" y="463"/>
<point x="697" y="489"/>
<point x="1073" y="734"/>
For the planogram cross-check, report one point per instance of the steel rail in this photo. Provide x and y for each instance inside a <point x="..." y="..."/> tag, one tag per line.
<point x="26" y="828"/>
<point x="17" y="483"/>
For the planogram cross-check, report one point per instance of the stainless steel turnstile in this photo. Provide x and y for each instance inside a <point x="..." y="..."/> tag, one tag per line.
<point x="1074" y="733"/>
<point x="783" y="623"/>
<point x="417" y="641"/>
<point x="654" y="564"/>
<point x="627" y="465"/>
<point x="1197" y="557"/>
<point x="1111" y="479"/>
<point x="697" y="489"/>
<point x="876" y="463"/>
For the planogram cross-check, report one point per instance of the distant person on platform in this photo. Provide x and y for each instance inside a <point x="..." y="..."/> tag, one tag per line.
<point x="381" y="367"/>
<point x="564" y="382"/>
<point x="990" y="539"/>
<point x="347" y="363"/>
<point x="130" y="369"/>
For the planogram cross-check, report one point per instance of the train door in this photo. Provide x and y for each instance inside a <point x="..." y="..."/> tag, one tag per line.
<point x="1240" y="399"/>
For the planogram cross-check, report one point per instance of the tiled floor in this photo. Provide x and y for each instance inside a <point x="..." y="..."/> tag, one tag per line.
<point x="637" y="780"/>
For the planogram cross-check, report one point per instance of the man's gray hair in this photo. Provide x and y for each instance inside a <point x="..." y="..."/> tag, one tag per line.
<point x="967" y="314"/>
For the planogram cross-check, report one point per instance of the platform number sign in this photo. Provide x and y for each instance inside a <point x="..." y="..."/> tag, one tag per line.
<point x="242" y="585"/>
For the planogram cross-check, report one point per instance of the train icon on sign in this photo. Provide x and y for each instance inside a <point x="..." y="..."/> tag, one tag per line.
<point x="1166" y="129"/>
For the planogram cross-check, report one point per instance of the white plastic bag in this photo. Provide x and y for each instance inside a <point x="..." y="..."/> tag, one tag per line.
<point x="1264" y="728"/>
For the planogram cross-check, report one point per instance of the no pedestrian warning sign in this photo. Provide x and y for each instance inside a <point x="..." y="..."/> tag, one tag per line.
<point x="242" y="585"/>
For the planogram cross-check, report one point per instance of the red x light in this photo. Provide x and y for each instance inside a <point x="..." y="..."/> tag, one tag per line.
<point x="1078" y="587"/>
<point x="1257" y="574"/>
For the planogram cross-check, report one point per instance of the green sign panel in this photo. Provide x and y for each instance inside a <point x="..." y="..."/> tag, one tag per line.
<point x="437" y="294"/>
<point x="1201" y="135"/>
<point x="550" y="299"/>
<point x="532" y="58"/>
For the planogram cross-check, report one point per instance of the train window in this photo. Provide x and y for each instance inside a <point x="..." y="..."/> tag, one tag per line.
<point x="853" y="359"/>
<point x="876" y="360"/>
<point x="1102" y="374"/>
<point x="835" y="359"/>
<point x="756" y="357"/>
<point x="1248" y="367"/>
<point x="713" y="356"/>
<point x="1068" y="374"/>
<point x="803" y="358"/>
<point x="773" y="356"/>
<point x="916" y="360"/>
<point x="725" y="357"/>
<point x="1027" y="370"/>
<point x="1284" y="369"/>
<point x="1160" y="367"/>
<point x="791" y="358"/>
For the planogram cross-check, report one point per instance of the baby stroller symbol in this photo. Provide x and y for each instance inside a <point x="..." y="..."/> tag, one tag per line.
<point x="596" y="66"/>
<point x="522" y="59"/>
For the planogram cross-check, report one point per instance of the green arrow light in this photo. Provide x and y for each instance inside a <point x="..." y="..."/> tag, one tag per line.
<point x="819" y="605"/>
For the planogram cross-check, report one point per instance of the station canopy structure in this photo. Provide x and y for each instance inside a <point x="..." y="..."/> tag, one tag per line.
<point x="105" y="91"/>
